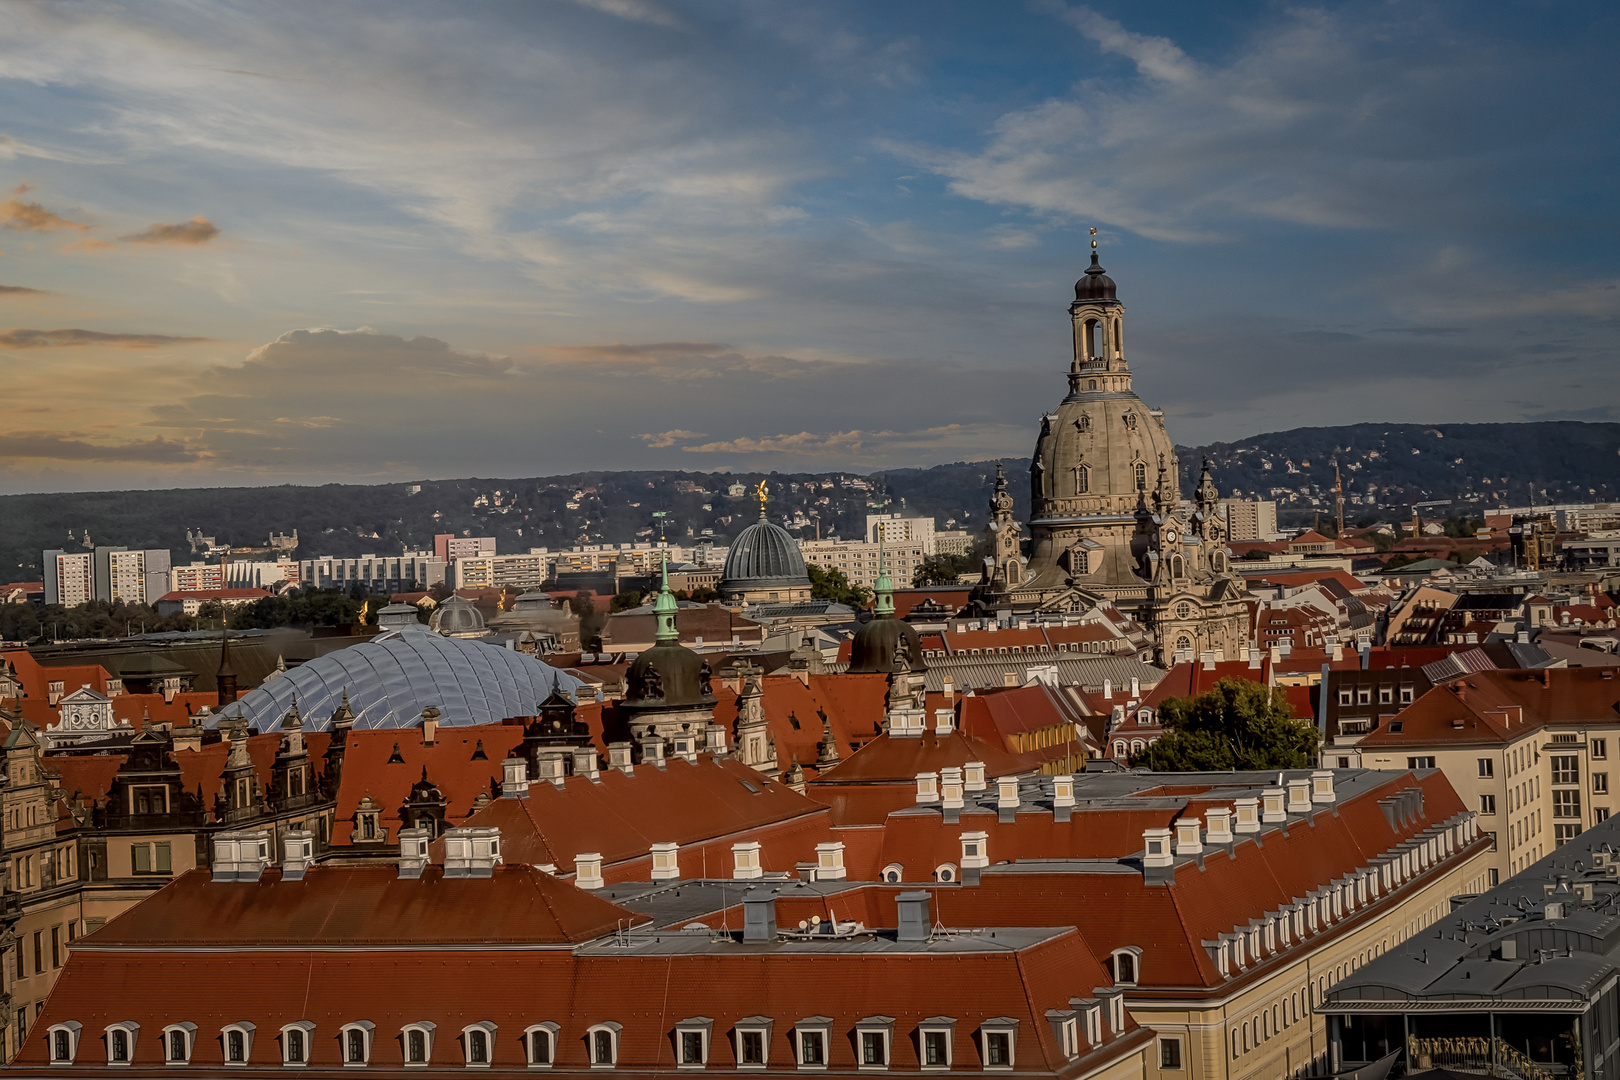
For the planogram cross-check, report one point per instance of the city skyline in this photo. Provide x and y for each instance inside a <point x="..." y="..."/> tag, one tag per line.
<point x="392" y="243"/>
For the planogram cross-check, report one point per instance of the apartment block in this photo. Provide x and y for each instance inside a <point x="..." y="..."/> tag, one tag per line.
<point x="374" y="573"/>
<point x="502" y="571"/>
<point x="448" y="547"/>
<point x="1250" y="519"/>
<point x="858" y="561"/>
<point x="196" y="577"/>
<point x="69" y="578"/>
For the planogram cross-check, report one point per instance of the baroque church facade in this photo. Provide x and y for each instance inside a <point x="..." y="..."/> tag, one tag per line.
<point x="1107" y="524"/>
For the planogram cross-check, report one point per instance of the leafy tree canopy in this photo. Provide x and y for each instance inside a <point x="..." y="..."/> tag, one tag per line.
<point x="1237" y="724"/>
<point x="833" y="584"/>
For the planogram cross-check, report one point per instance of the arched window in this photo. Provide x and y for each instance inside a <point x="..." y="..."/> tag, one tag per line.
<point x="295" y="1042"/>
<point x="1183" y="644"/>
<point x="894" y="873"/>
<point x="357" y="1042"/>
<point x="1141" y="476"/>
<point x="1125" y="964"/>
<point x="1091" y="384"/>
<point x="238" y="1043"/>
<point x="61" y="1046"/>
<point x="177" y="1043"/>
<point x="540" y="1044"/>
<point x="418" y="1039"/>
<point x="603" y="1042"/>
<point x="945" y="872"/>
<point x="1082" y="479"/>
<point x="295" y="1046"/>
<point x="1178" y="567"/>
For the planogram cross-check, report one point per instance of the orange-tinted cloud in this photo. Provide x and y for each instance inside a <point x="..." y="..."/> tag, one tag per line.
<point x="57" y="448"/>
<point x="16" y="213"/>
<point x="20" y="290"/>
<point x="199" y="230"/>
<point x="48" y="339"/>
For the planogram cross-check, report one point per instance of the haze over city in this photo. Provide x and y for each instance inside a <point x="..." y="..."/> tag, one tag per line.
<point x="250" y="244"/>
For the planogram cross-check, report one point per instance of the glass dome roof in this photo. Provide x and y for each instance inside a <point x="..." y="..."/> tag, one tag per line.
<point x="394" y="676"/>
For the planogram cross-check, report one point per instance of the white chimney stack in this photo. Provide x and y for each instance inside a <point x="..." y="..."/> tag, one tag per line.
<point x="1322" y="786"/>
<point x="973" y="776"/>
<point x="588" y="870"/>
<point x="298" y="854"/>
<point x="1247" y="815"/>
<point x="830" y="861"/>
<point x="413" y="852"/>
<point x="585" y="764"/>
<point x="514" y="778"/>
<point x="1187" y="838"/>
<point x="927" y="788"/>
<point x="1218" y="825"/>
<point x="240" y="855"/>
<point x="471" y="852"/>
<point x="745" y="861"/>
<point x="1062" y="791"/>
<point x="666" y="861"/>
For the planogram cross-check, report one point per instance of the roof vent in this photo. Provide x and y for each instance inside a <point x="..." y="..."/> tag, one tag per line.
<point x="472" y="852"/>
<point x="585" y="764"/>
<point x="1272" y="812"/>
<point x="759" y="916"/>
<point x="413" y="852"/>
<point x="973" y="776"/>
<point x="745" y="861"/>
<point x="1322" y="786"/>
<point x="1218" y="825"/>
<point x="619" y="758"/>
<point x="1299" y="795"/>
<point x="514" y="778"/>
<point x="830" y="861"/>
<point x="927" y="788"/>
<point x="914" y="922"/>
<point x="666" y="861"/>
<point x="241" y="855"/>
<point x="298" y="854"/>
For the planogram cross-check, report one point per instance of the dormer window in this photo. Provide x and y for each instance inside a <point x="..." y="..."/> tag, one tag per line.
<point x="812" y="1038"/>
<point x="872" y="1039"/>
<point x="540" y="1045"/>
<point x="238" y="1043"/>
<point x="63" y="1040"/>
<point x="1126" y="965"/>
<point x="1069" y="1036"/>
<point x="692" y="1042"/>
<point x="603" y="1042"/>
<point x="417" y="1042"/>
<point x="894" y="873"/>
<point x="121" y="1042"/>
<point x="296" y="1040"/>
<point x="478" y="1043"/>
<point x="937" y="1034"/>
<point x="177" y="1043"/>
<point x="753" y="1041"/>
<point x="356" y="1042"/>
<point x="945" y="872"/>
<point x="998" y="1042"/>
<point x="1093" y="1015"/>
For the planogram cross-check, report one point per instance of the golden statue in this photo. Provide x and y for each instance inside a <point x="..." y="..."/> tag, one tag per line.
<point x="760" y="491"/>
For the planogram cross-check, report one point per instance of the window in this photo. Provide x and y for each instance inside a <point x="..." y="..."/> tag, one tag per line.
<point x="238" y="1043"/>
<point x="1600" y="783"/>
<point x="1364" y="696"/>
<point x="1169" y="1053"/>
<point x="1386" y="695"/>
<point x="1395" y="726"/>
<point x="603" y="1041"/>
<point x="1124" y="967"/>
<point x="1425" y="762"/>
<point x="872" y="1041"/>
<point x="177" y="1039"/>
<point x="356" y="1042"/>
<point x="1566" y="769"/>
<point x="56" y="938"/>
<point x="39" y="951"/>
<point x="540" y="1045"/>
<point x="692" y="1048"/>
<point x="1566" y="804"/>
<point x="1406" y="695"/>
<point x="1487" y="768"/>
<point x="1141" y="476"/>
<point x="997" y="1045"/>
<point x="753" y="1036"/>
<point x="418" y="1040"/>
<point x="295" y="1047"/>
<point x="813" y="1035"/>
<point x="1600" y="813"/>
<point x="1600" y="749"/>
<point x="1347" y="697"/>
<point x="1487" y="804"/>
<point x="477" y="1040"/>
<point x="296" y="1039"/>
<point x="1563" y="834"/>
<point x="935" y="1037"/>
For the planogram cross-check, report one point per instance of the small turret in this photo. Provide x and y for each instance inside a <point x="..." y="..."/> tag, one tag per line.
<point x="225" y="678"/>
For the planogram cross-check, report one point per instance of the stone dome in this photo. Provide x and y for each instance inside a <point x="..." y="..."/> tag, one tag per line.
<point x="764" y="556"/>
<point x="876" y="643"/>
<point x="457" y="615"/>
<point x="1096" y="284"/>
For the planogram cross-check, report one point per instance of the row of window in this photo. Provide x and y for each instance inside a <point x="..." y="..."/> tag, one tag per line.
<point x="19" y="951"/>
<point x="1363" y="695"/>
<point x="810" y="1043"/>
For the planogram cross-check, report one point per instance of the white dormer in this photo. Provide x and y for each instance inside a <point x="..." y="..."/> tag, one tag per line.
<point x="602" y="1044"/>
<point x="297" y="1040"/>
<point x="478" y="1044"/>
<point x="63" y="1040"/>
<point x="237" y="1042"/>
<point x="417" y="1042"/>
<point x="179" y="1040"/>
<point x="354" y="1039"/>
<point x="121" y="1042"/>
<point x="540" y="1044"/>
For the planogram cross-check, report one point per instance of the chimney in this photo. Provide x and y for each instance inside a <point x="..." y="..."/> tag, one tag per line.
<point x="1274" y="653"/>
<point x="471" y="852"/>
<point x="515" y="778"/>
<point x="241" y="855"/>
<point x="830" y="861"/>
<point x="297" y="854"/>
<point x="1007" y="799"/>
<point x="944" y="721"/>
<point x="652" y="750"/>
<point x="714" y="739"/>
<point x="975" y="855"/>
<point x="745" y="862"/>
<point x="588" y="870"/>
<point x="550" y="768"/>
<point x="1062" y="797"/>
<point x="949" y="687"/>
<point x="413" y="852"/>
<point x="666" y="861"/>
<point x="1299" y="795"/>
<point x="1187" y="839"/>
<point x="973" y="776"/>
<point x="686" y="747"/>
<point x="430" y="725"/>
<point x="1253" y="657"/>
<point x="1247" y="816"/>
<point x="950" y="791"/>
<point x="1218" y="825"/>
<point x="927" y="788"/>
<point x="913" y="920"/>
<point x="1208" y="661"/>
<point x="759" y="916"/>
<point x="1136" y="688"/>
<point x="1322" y="786"/>
<point x="619" y="758"/>
<point x="1272" y="811"/>
<point x="1108" y="690"/>
<point x="585" y="764"/>
<point x="1158" y="863"/>
<point x="1338" y="651"/>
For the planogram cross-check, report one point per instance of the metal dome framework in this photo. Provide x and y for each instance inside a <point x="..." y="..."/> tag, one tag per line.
<point x="394" y="676"/>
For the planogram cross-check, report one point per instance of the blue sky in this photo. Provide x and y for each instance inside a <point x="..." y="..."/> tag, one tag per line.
<point x="262" y="243"/>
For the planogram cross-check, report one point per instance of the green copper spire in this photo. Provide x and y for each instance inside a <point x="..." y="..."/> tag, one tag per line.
<point x="885" y="586"/>
<point x="666" y="608"/>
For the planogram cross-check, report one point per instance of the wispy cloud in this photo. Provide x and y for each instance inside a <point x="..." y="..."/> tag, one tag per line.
<point x="199" y="230"/>
<point x="63" y="339"/>
<point x="60" y="448"/>
<point x="664" y="439"/>
<point x="20" y="290"/>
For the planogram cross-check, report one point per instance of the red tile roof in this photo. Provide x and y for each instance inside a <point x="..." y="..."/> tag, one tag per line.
<point x="450" y="765"/>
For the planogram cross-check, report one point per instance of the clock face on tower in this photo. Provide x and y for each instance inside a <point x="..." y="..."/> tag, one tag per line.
<point x="1170" y="536"/>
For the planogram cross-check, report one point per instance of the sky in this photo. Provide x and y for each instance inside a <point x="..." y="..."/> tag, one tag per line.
<point x="255" y="243"/>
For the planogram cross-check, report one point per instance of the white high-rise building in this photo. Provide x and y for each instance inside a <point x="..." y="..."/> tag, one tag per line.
<point x="68" y="578"/>
<point x="895" y="529"/>
<point x="1248" y="519"/>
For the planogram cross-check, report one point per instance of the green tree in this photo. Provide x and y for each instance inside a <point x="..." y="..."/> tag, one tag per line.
<point x="939" y="570"/>
<point x="834" y="585"/>
<point x="1382" y="542"/>
<point x="626" y="600"/>
<point x="1395" y="562"/>
<point x="1237" y="724"/>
